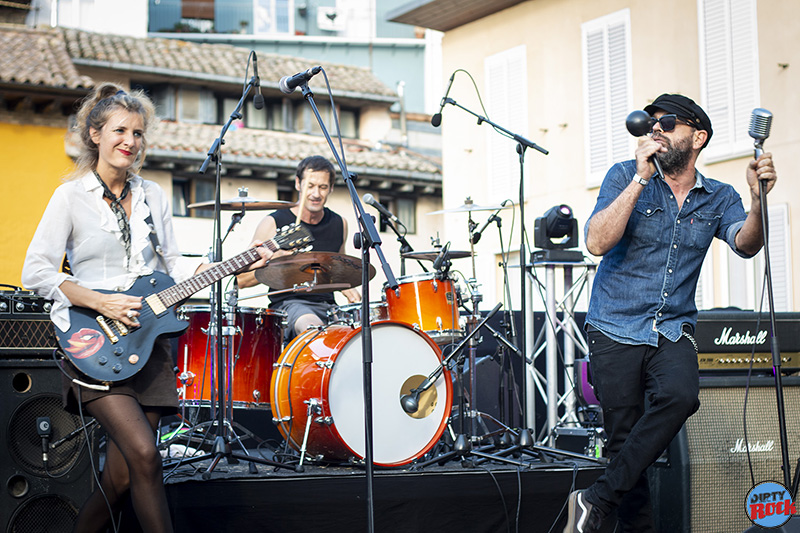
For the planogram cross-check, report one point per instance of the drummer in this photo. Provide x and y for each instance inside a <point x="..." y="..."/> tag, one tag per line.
<point x="314" y="178"/>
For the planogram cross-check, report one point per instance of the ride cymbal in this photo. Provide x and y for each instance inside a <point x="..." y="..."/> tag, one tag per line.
<point x="469" y="206"/>
<point x="431" y="255"/>
<point x="244" y="202"/>
<point x="316" y="268"/>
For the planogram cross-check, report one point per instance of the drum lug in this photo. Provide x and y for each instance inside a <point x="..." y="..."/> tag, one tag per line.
<point x="416" y="327"/>
<point x="279" y="365"/>
<point x="327" y="420"/>
<point x="325" y="364"/>
<point x="435" y="285"/>
<point x="277" y="421"/>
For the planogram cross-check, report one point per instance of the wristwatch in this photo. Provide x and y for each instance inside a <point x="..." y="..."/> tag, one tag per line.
<point x="640" y="180"/>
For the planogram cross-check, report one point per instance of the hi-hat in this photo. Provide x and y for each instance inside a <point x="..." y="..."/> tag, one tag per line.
<point x="469" y="206"/>
<point x="431" y="255"/>
<point x="314" y="269"/>
<point x="244" y="202"/>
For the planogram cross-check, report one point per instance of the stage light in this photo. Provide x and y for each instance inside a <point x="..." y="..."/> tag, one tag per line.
<point x="557" y="229"/>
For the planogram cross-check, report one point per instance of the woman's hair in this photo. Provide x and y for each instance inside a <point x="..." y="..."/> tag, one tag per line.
<point x="94" y="112"/>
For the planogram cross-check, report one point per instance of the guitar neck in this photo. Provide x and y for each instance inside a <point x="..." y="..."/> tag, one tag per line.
<point x="185" y="289"/>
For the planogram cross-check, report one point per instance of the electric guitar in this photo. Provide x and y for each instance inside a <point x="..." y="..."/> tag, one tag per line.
<point x="108" y="351"/>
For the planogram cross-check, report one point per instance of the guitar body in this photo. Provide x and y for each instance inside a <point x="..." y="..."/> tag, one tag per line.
<point x="108" y="351"/>
<point x="92" y="350"/>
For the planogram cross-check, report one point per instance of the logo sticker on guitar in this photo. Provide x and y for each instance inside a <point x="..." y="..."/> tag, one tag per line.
<point x="85" y="343"/>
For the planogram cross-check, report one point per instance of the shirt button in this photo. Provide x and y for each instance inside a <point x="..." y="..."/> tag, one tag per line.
<point x="665" y="294"/>
<point x="649" y="210"/>
<point x="670" y="271"/>
<point x="660" y="314"/>
<point x="674" y="245"/>
<point x="679" y="221"/>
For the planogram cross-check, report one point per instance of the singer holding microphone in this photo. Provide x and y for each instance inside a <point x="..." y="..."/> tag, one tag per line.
<point x="653" y="233"/>
<point x="314" y="178"/>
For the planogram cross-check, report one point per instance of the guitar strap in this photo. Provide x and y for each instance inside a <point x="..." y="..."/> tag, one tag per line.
<point x="154" y="237"/>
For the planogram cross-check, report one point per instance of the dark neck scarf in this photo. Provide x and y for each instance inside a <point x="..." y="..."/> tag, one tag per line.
<point x="119" y="211"/>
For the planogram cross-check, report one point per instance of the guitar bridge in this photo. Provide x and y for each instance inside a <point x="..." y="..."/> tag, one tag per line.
<point x="101" y="321"/>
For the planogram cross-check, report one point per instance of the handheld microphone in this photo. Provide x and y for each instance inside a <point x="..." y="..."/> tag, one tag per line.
<point x="476" y="235"/>
<point x="369" y="199"/>
<point x="760" y="124"/>
<point x="288" y="84"/>
<point x="44" y="429"/>
<point x="436" y="119"/>
<point x="640" y="123"/>
<point x="258" y="99"/>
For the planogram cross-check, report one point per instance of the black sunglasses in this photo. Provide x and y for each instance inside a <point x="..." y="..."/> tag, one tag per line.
<point x="668" y="122"/>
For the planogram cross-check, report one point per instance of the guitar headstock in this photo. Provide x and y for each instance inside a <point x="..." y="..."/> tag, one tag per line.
<point x="293" y="237"/>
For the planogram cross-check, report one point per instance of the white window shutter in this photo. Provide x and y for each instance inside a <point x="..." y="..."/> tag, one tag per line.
<point x="607" y="93"/>
<point x="728" y="73"/>
<point x="506" y="104"/>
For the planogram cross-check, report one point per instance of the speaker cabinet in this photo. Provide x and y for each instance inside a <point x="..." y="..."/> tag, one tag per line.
<point x="35" y="497"/>
<point x="702" y="482"/>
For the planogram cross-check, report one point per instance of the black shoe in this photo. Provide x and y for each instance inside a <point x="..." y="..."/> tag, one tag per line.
<point x="583" y="517"/>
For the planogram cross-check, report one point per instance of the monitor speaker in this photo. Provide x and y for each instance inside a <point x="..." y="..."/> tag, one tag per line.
<point x="701" y="483"/>
<point x="35" y="496"/>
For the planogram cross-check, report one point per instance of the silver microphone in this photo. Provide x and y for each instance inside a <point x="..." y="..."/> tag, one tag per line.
<point x="760" y="123"/>
<point x="369" y="199"/>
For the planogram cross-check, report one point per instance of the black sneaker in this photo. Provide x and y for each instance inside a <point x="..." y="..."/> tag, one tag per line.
<point x="583" y="517"/>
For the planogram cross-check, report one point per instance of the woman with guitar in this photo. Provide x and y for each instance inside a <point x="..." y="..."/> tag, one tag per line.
<point x="101" y="217"/>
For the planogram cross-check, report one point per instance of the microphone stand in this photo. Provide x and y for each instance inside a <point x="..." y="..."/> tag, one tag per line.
<point x="222" y="447"/>
<point x="405" y="247"/>
<point x="366" y="239"/>
<point x="522" y="145"/>
<point x="774" y="347"/>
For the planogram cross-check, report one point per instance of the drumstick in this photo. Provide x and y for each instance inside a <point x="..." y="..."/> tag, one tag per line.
<point x="302" y="201"/>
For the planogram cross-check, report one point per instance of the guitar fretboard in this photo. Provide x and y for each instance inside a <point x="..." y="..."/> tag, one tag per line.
<point x="184" y="289"/>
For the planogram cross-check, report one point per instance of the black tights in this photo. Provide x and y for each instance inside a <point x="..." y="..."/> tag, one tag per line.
<point x="132" y="463"/>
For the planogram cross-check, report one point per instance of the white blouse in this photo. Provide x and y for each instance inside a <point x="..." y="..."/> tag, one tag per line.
<point x="79" y="221"/>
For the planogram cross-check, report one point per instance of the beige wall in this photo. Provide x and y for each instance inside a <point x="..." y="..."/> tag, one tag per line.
<point x="664" y="41"/>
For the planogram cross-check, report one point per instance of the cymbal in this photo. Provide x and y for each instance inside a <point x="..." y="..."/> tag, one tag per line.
<point x="431" y="255"/>
<point x="311" y="289"/>
<point x="244" y="202"/>
<point x="468" y="206"/>
<point x="317" y="268"/>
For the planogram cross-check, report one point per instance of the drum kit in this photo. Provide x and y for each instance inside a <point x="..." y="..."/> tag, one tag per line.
<point x="312" y="384"/>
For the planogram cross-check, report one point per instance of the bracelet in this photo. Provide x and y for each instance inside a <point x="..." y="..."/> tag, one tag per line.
<point x="640" y="180"/>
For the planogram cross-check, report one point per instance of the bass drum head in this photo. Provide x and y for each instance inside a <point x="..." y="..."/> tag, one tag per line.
<point x="402" y="359"/>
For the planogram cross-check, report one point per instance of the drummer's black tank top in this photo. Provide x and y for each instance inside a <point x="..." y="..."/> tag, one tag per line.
<point x="328" y="237"/>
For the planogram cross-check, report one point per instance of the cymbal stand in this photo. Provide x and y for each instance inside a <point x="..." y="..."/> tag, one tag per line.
<point x="222" y="447"/>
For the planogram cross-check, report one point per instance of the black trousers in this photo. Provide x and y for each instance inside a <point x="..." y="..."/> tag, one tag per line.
<point x="646" y="393"/>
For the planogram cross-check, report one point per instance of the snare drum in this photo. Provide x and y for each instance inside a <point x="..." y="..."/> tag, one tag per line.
<point x="350" y="314"/>
<point x="429" y="304"/>
<point x="324" y="367"/>
<point x="256" y="347"/>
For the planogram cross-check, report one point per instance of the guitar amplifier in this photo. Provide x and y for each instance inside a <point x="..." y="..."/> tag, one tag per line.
<point x="725" y="340"/>
<point x="25" y="326"/>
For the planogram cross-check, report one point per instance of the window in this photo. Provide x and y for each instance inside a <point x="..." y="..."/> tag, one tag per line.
<point x="728" y="73"/>
<point x="186" y="191"/>
<point x="405" y="209"/>
<point x="273" y="16"/>
<point x="607" y="93"/>
<point x="506" y="97"/>
<point x="196" y="105"/>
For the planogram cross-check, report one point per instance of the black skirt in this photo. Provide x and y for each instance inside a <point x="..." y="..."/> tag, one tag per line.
<point x="154" y="386"/>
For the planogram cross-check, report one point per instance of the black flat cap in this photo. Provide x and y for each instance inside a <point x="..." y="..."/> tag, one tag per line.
<point x="685" y="108"/>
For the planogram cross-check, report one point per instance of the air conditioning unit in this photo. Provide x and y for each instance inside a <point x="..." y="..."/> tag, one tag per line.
<point x="329" y="19"/>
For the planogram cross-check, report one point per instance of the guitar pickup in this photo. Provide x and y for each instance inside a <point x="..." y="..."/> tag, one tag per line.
<point x="156" y="304"/>
<point x="101" y="321"/>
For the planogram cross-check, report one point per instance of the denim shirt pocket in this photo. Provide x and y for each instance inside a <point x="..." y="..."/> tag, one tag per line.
<point x="702" y="228"/>
<point x="647" y="221"/>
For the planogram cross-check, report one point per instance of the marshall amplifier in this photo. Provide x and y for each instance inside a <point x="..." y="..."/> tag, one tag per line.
<point x="702" y="482"/>
<point x="25" y="327"/>
<point x="725" y="340"/>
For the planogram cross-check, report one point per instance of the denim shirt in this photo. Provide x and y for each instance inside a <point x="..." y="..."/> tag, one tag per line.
<point x="645" y="285"/>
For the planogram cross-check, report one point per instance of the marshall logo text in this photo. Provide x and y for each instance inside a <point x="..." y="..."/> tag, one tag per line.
<point x="726" y="339"/>
<point x="756" y="446"/>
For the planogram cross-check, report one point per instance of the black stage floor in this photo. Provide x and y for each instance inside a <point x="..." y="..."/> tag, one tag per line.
<point x="455" y="496"/>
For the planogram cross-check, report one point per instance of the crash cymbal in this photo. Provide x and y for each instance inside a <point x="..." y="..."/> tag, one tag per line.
<point x="431" y="255"/>
<point x="317" y="268"/>
<point x="244" y="202"/>
<point x="469" y="206"/>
